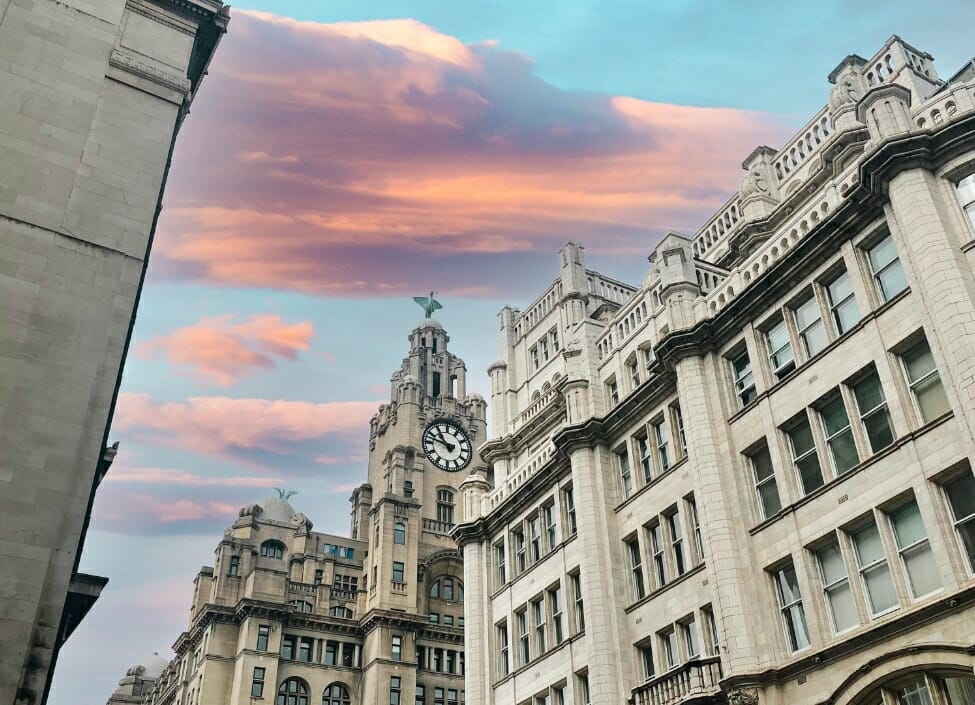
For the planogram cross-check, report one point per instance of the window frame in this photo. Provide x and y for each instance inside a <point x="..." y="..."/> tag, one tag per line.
<point x="876" y="273"/>
<point x="783" y="370"/>
<point x="743" y="390"/>
<point x="913" y="384"/>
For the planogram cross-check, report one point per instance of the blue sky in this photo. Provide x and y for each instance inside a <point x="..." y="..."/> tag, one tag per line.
<point x="413" y="145"/>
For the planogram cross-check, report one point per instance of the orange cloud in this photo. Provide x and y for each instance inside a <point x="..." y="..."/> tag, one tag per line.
<point x="374" y="155"/>
<point x="222" y="425"/>
<point x="169" y="476"/>
<point x="223" y="351"/>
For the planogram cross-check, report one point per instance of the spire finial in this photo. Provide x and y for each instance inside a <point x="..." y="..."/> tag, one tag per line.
<point x="428" y="304"/>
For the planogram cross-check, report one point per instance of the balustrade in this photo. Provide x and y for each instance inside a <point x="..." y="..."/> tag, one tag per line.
<point x="693" y="680"/>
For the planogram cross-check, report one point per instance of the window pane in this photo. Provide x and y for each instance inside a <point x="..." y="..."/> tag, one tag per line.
<point x="961" y="691"/>
<point x="914" y="694"/>
<point x="810" y="473"/>
<point x="844" y="451"/>
<point x="798" y="631"/>
<point x="842" y="607"/>
<point x="892" y="281"/>
<point x="931" y="398"/>
<point x="763" y="464"/>
<point x="918" y="361"/>
<point x="882" y="253"/>
<point x="908" y="527"/>
<point x="878" y="430"/>
<point x="961" y="495"/>
<point x="831" y="564"/>
<point x="870" y="548"/>
<point x="846" y="315"/>
<point x="880" y="588"/>
<point x="834" y="416"/>
<point x="769" y="494"/>
<point x="922" y="570"/>
<point x="869" y="393"/>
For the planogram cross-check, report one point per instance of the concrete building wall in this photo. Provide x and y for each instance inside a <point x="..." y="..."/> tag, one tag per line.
<point x="91" y="95"/>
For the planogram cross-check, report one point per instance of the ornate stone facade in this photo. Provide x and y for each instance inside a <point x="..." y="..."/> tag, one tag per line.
<point x="293" y="616"/>
<point x="749" y="480"/>
<point x="92" y="94"/>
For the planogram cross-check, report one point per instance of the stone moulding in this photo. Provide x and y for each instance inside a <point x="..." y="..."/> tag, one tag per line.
<point x="132" y="63"/>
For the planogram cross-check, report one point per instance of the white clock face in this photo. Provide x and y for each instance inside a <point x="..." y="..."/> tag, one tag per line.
<point x="447" y="446"/>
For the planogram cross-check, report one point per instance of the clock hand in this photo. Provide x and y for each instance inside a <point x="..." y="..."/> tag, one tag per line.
<point x="449" y="446"/>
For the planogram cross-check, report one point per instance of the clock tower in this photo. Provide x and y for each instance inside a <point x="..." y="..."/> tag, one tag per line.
<point x="422" y="446"/>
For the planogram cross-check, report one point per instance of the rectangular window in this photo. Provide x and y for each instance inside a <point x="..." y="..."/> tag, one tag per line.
<point x="657" y="549"/>
<point x="263" y="633"/>
<point x="504" y="665"/>
<point x="915" y="550"/>
<point x="809" y="321"/>
<point x="780" y="354"/>
<point x="394" y="690"/>
<point x="331" y="653"/>
<point x="679" y="423"/>
<point x="396" y="649"/>
<point x="538" y="615"/>
<point x="646" y="659"/>
<point x="636" y="569"/>
<point x="648" y="357"/>
<point x="712" y="630"/>
<point x="839" y="435"/>
<point x="873" y="412"/>
<point x="646" y="460"/>
<point x="399" y="571"/>
<point x="663" y="446"/>
<point x="438" y="697"/>
<point x="451" y="661"/>
<point x="626" y="479"/>
<point x="741" y="372"/>
<point x="499" y="558"/>
<point x="448" y="619"/>
<point x="790" y="606"/>
<point x="554" y="336"/>
<point x="234" y="567"/>
<point x="523" y="638"/>
<point x="960" y="492"/>
<point x="521" y="550"/>
<point x="534" y="357"/>
<point x="836" y="587"/>
<point x="288" y="644"/>
<point x="677" y="542"/>
<point x="886" y="269"/>
<point x="965" y="190"/>
<point x="874" y="571"/>
<point x="768" y="491"/>
<point x="551" y="530"/>
<point x="580" y="614"/>
<point x="534" y="539"/>
<point x="421" y="696"/>
<point x="692" y="642"/>
<point x="922" y="375"/>
<point x="543" y="347"/>
<point x="633" y="371"/>
<point x="304" y="649"/>
<point x="570" y="511"/>
<point x="696" y="523"/>
<point x="804" y="455"/>
<point x="613" y="392"/>
<point x="584" y="688"/>
<point x="555" y="608"/>
<point x="257" y="683"/>
<point x="842" y="303"/>
<point x="671" y="654"/>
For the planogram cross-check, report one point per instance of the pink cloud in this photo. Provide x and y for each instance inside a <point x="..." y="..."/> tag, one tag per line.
<point x="378" y="154"/>
<point x="169" y="476"/>
<point x="222" y="350"/>
<point x="150" y="509"/>
<point x="221" y="425"/>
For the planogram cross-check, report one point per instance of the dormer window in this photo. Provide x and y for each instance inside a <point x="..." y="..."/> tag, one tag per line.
<point x="272" y="549"/>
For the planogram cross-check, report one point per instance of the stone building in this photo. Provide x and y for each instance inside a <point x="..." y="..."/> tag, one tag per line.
<point x="138" y="681"/>
<point x="92" y="93"/>
<point x="749" y="479"/>
<point x="296" y="617"/>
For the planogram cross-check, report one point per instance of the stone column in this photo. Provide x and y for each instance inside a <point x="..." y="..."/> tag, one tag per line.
<point x="602" y="580"/>
<point x="478" y="631"/>
<point x="710" y="457"/>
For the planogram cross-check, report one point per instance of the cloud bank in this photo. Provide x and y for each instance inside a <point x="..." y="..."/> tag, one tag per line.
<point x="370" y="158"/>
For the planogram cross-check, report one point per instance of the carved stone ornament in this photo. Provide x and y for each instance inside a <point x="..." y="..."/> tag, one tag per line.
<point x="848" y="90"/>
<point x="303" y="522"/>
<point x="251" y="510"/>
<point x="136" y="671"/>
<point x="743" y="696"/>
<point x="754" y="181"/>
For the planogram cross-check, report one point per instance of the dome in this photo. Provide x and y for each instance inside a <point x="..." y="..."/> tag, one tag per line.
<point x="429" y="323"/>
<point x="276" y="509"/>
<point x="409" y="379"/>
<point x="154" y="666"/>
<point x="474" y="396"/>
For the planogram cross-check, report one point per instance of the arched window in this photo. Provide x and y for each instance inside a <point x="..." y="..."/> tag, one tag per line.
<point x="447" y="588"/>
<point x="445" y="506"/>
<point x="340" y="611"/>
<point x="301" y="605"/>
<point x="949" y="687"/>
<point x="293" y="691"/>
<point x="336" y="694"/>
<point x="399" y="532"/>
<point x="272" y="549"/>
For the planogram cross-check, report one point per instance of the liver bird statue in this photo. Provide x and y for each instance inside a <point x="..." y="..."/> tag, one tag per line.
<point x="285" y="494"/>
<point x="428" y="304"/>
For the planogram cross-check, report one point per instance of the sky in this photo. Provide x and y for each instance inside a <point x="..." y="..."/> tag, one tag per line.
<point x="343" y="157"/>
